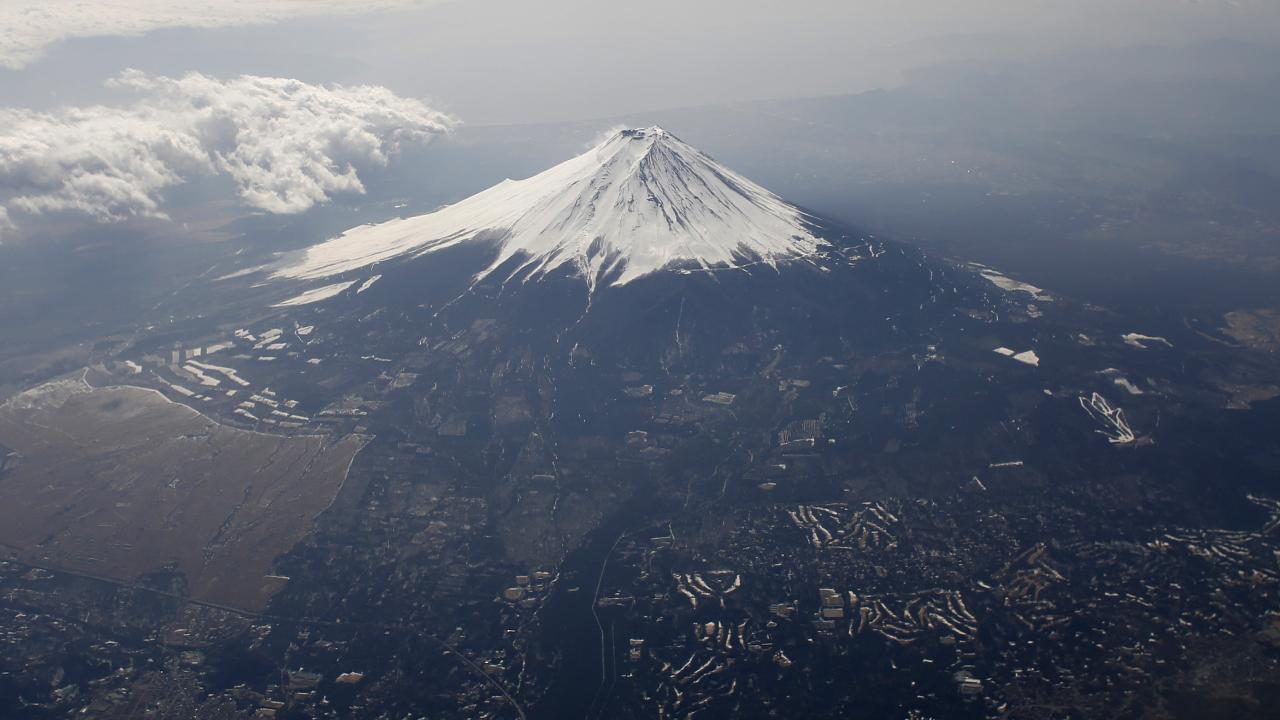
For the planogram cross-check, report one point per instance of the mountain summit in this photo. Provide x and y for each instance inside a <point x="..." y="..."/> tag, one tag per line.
<point x="639" y="202"/>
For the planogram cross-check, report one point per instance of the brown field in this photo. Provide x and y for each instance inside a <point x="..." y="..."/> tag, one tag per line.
<point x="120" y="481"/>
<point x="1258" y="329"/>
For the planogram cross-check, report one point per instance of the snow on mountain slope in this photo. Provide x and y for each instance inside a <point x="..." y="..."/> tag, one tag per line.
<point x="641" y="201"/>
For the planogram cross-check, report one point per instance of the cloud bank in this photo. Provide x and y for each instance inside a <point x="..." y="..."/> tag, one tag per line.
<point x="287" y="145"/>
<point x="28" y="27"/>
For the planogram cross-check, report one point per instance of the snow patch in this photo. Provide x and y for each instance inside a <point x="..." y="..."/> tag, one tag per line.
<point x="1119" y="379"/>
<point x="1128" y="386"/>
<point x="1008" y="284"/>
<point x="1141" y="341"/>
<point x="316" y="294"/>
<point x="243" y="273"/>
<point x="368" y="284"/>
<point x="1029" y="357"/>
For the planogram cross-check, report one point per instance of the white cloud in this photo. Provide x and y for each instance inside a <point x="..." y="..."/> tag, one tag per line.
<point x="286" y="144"/>
<point x="28" y="27"/>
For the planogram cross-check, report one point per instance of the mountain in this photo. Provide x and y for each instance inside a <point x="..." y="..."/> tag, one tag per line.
<point x="639" y="202"/>
<point x="639" y="240"/>
<point x="638" y="420"/>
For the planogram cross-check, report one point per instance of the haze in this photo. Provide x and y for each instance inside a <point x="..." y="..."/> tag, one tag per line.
<point x="510" y="61"/>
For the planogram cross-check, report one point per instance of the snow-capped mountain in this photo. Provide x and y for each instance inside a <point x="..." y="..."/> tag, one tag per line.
<point x="639" y="202"/>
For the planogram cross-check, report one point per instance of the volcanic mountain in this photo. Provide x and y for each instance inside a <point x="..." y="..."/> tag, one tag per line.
<point x="640" y="356"/>
<point x="641" y="242"/>
<point x="639" y="202"/>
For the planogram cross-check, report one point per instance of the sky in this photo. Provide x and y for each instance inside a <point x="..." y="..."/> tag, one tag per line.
<point x="107" y="106"/>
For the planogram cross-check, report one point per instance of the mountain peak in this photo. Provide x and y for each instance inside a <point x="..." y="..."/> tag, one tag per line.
<point x="639" y="202"/>
<point x="652" y="133"/>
